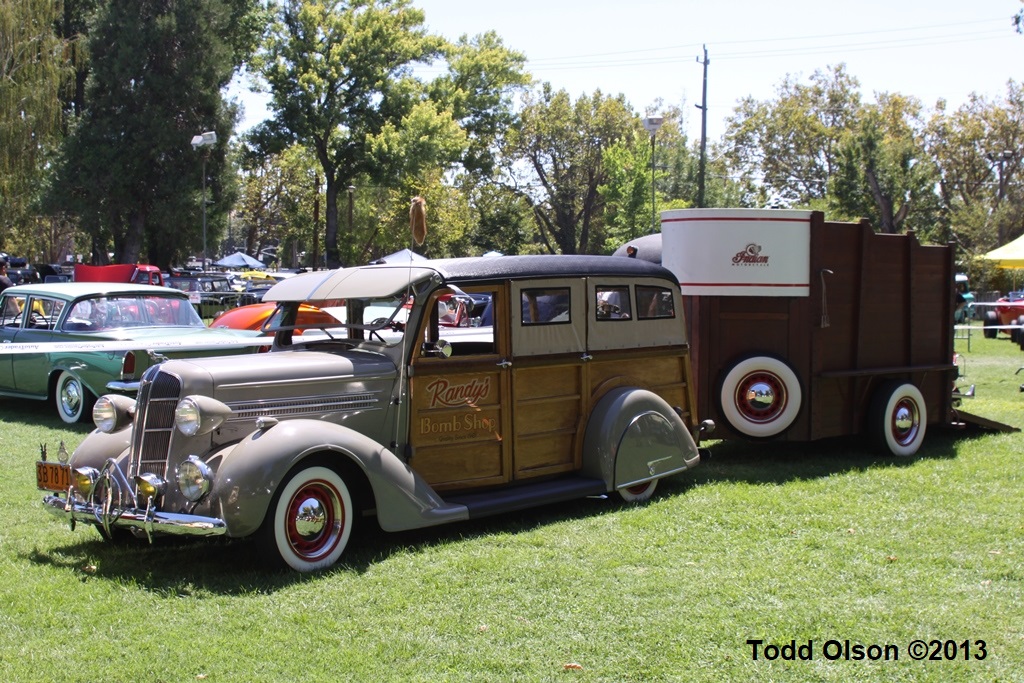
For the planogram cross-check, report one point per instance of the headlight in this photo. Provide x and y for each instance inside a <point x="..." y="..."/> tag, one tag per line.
<point x="199" y="415"/>
<point x="194" y="479"/>
<point x="112" y="413"/>
<point x="187" y="417"/>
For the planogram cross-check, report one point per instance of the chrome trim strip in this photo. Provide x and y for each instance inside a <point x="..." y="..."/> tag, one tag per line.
<point x="305" y="405"/>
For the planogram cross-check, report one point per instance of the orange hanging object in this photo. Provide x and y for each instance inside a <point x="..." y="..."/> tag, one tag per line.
<point x="418" y="220"/>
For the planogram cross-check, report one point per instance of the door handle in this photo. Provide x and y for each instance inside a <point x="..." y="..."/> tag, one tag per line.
<point x="585" y="357"/>
<point x="503" y="363"/>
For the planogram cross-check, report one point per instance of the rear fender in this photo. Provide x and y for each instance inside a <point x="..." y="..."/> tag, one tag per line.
<point x="634" y="436"/>
<point x="249" y="473"/>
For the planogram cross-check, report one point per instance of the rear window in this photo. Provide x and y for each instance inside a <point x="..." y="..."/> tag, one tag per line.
<point x="654" y="302"/>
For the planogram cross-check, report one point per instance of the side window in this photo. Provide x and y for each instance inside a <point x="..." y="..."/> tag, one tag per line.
<point x="11" y="311"/>
<point x="653" y="303"/>
<point x="612" y="303"/>
<point x="466" y="321"/>
<point x="546" y="306"/>
<point x="44" y="312"/>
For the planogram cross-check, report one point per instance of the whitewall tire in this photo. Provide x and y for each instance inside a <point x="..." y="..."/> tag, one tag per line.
<point x="760" y="396"/>
<point x="73" y="400"/>
<point x="898" y="417"/>
<point x="310" y="519"/>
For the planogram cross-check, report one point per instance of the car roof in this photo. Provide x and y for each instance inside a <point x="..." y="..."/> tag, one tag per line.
<point x="381" y="280"/>
<point x="74" y="290"/>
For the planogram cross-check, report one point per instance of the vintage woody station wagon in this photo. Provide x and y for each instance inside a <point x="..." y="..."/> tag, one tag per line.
<point x="572" y="381"/>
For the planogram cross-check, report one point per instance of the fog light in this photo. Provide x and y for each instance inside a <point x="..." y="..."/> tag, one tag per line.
<point x="149" y="486"/>
<point x="194" y="479"/>
<point x="83" y="479"/>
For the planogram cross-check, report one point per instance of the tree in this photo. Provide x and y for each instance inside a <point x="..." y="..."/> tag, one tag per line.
<point x="562" y="145"/>
<point x="788" y="148"/>
<point x="341" y="80"/>
<point x="976" y="149"/>
<point x="156" y="74"/>
<point x="884" y="173"/>
<point x="338" y="74"/>
<point x="33" y="73"/>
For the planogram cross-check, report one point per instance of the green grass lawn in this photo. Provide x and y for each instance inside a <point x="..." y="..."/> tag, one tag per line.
<point x="781" y="543"/>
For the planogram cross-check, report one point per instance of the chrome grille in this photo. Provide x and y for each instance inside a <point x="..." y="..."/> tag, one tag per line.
<point x="154" y="422"/>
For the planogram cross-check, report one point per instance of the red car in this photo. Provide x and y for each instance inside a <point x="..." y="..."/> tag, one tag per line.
<point x="253" y="316"/>
<point x="1008" y="311"/>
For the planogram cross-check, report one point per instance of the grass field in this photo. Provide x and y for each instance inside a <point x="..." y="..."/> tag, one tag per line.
<point x="823" y="542"/>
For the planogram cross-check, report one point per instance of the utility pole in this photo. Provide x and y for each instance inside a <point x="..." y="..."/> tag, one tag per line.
<point x="703" y="106"/>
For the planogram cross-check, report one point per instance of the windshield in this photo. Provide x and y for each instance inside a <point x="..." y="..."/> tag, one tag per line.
<point x="130" y="310"/>
<point x="374" y="319"/>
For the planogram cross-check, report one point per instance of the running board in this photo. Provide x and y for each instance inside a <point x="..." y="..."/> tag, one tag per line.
<point x="488" y="503"/>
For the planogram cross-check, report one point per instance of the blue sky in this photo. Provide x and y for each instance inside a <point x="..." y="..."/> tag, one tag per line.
<point x="649" y="49"/>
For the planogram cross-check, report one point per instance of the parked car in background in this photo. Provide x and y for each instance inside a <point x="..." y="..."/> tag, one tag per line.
<point x="210" y="293"/>
<point x="254" y="316"/>
<point x="1006" y="316"/>
<point x="20" y="271"/>
<point x="390" y="414"/>
<point x="139" y="273"/>
<point x="130" y="322"/>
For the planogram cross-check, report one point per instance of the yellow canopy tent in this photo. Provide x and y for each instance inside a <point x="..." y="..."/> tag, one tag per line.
<point x="1010" y="255"/>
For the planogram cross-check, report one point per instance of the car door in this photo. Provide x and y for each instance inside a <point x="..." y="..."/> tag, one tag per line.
<point x="31" y="371"/>
<point x="460" y="420"/>
<point x="549" y="375"/>
<point x="11" y="315"/>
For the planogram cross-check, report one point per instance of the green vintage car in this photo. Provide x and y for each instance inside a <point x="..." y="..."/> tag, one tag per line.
<point x="70" y="342"/>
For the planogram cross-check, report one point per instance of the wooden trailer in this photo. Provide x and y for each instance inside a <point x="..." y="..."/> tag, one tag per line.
<point x="803" y="329"/>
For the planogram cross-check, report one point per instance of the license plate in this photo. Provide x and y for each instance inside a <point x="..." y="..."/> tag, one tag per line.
<point x="52" y="476"/>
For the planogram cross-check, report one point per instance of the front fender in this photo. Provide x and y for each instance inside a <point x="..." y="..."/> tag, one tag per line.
<point x="249" y="472"/>
<point x="97" y="447"/>
<point x="634" y="436"/>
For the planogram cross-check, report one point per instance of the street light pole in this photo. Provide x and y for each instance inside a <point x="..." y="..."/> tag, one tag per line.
<point x="207" y="139"/>
<point x="652" y="124"/>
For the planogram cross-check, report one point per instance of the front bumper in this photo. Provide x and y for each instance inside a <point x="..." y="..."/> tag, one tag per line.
<point x="140" y="522"/>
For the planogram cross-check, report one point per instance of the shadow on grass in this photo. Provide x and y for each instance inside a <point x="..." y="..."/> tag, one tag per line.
<point x="36" y="414"/>
<point x="177" y="567"/>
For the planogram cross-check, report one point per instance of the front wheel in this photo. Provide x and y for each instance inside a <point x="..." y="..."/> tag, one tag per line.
<point x="990" y="324"/>
<point x="73" y="400"/>
<point x="898" y="418"/>
<point x="309" y="521"/>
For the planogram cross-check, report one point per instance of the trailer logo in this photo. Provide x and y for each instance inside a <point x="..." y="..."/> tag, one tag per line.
<point x="445" y="394"/>
<point x="751" y="256"/>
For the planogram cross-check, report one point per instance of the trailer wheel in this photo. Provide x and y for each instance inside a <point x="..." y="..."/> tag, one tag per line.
<point x="1020" y="332"/>
<point x="1014" y="332"/>
<point x="897" y="417"/>
<point x="760" y="396"/>
<point x="989" y="326"/>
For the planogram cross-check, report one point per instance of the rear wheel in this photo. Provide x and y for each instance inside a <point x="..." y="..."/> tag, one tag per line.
<point x="639" y="493"/>
<point x="898" y="418"/>
<point x="73" y="400"/>
<point x="760" y="396"/>
<point x="309" y="521"/>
